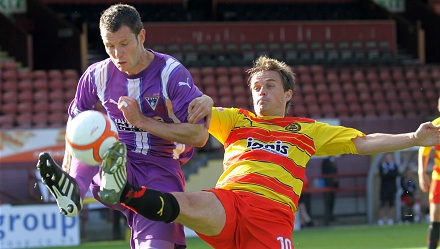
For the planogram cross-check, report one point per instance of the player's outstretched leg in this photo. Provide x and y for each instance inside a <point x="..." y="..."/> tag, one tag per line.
<point x="114" y="173"/>
<point x="62" y="186"/>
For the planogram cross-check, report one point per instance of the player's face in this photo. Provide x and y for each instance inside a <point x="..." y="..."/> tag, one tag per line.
<point x="268" y="94"/>
<point x="124" y="49"/>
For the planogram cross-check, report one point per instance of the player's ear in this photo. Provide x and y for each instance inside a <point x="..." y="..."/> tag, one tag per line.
<point x="288" y="95"/>
<point x="141" y="36"/>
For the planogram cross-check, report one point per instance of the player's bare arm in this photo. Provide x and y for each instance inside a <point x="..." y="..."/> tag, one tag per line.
<point x="424" y="178"/>
<point x="185" y="133"/>
<point x="426" y="135"/>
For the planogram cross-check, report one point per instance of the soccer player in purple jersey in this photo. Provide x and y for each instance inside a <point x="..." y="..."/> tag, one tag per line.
<point x="152" y="87"/>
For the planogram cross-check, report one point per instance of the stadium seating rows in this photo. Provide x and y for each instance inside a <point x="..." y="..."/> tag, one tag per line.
<point x="35" y="99"/>
<point x="338" y="92"/>
<point x="40" y="98"/>
<point x="303" y="53"/>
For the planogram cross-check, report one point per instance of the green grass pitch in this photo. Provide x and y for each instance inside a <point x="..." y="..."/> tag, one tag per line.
<point x="412" y="236"/>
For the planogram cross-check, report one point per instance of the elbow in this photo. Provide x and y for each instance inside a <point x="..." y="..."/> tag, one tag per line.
<point x="201" y="140"/>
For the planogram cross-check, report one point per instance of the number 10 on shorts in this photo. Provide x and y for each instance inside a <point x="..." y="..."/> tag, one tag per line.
<point x="285" y="243"/>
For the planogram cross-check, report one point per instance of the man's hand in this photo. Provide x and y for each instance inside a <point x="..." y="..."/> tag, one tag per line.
<point x="428" y="134"/>
<point x="200" y="108"/>
<point x="424" y="181"/>
<point x="130" y="109"/>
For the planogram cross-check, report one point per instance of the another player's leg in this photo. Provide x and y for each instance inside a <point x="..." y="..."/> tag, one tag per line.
<point x="62" y="186"/>
<point x="150" y="203"/>
<point x="434" y="213"/>
<point x="114" y="173"/>
<point x="434" y="226"/>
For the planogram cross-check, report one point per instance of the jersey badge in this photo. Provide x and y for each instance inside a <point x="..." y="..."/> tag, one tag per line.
<point x="152" y="101"/>
<point x="293" y="127"/>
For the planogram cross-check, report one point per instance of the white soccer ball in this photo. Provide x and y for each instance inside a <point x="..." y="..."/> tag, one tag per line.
<point x="89" y="135"/>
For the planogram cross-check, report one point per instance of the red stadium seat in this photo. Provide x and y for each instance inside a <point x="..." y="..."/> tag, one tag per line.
<point x="337" y="97"/>
<point x="70" y="74"/>
<point x="208" y="81"/>
<point x="24" y="120"/>
<point x="328" y="110"/>
<point x="307" y="89"/>
<point x="40" y="84"/>
<point x="299" y="111"/>
<point x="378" y="96"/>
<point x="9" y="107"/>
<point x="369" y="109"/>
<point x="355" y="110"/>
<point x="9" y="75"/>
<point x="207" y="71"/>
<point x="314" y="110"/>
<point x="42" y="106"/>
<point x="40" y="120"/>
<point x="365" y="97"/>
<point x="55" y="95"/>
<point x="382" y="108"/>
<point x="321" y="88"/>
<point x="57" y="119"/>
<point x="224" y="90"/>
<point x="25" y="96"/>
<point x="375" y="86"/>
<point x="241" y="101"/>
<point x="24" y="75"/>
<point x="221" y="71"/>
<point x="55" y="74"/>
<point x="223" y="80"/>
<point x="332" y="76"/>
<point x="351" y="97"/>
<point x="41" y="96"/>
<point x="237" y="80"/>
<point x="25" y="85"/>
<point x="55" y="84"/>
<point x="194" y="71"/>
<point x="225" y="101"/>
<point x="39" y="75"/>
<point x="211" y="91"/>
<point x="358" y="76"/>
<point x="9" y="85"/>
<point x="335" y="88"/>
<point x="9" y="65"/>
<point x="324" y="99"/>
<point x="69" y="95"/>
<point x="362" y="86"/>
<point x="7" y="121"/>
<point x="70" y="83"/>
<point x="384" y="74"/>
<point x="9" y="96"/>
<point x="240" y="91"/>
<point x="56" y="106"/>
<point x="236" y="71"/>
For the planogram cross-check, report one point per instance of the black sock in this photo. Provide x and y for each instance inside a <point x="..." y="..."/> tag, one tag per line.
<point x="434" y="233"/>
<point x="150" y="203"/>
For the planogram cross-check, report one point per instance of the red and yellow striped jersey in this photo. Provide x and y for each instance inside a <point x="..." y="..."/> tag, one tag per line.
<point x="268" y="155"/>
<point x="427" y="150"/>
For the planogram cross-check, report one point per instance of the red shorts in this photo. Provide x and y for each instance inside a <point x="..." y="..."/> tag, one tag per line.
<point x="252" y="222"/>
<point x="434" y="192"/>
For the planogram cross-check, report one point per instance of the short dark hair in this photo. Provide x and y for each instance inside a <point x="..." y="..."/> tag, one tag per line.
<point x="264" y="63"/>
<point x="118" y="15"/>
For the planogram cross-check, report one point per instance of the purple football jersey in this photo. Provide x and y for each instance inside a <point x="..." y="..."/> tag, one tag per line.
<point x="163" y="90"/>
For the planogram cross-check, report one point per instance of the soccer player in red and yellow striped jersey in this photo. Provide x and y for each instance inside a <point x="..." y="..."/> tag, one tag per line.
<point x="433" y="185"/>
<point x="266" y="153"/>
